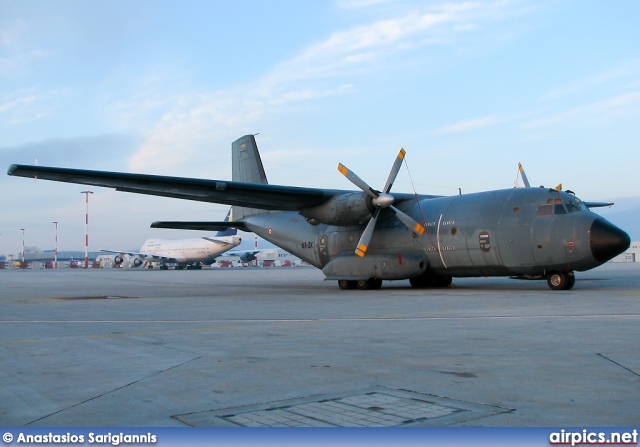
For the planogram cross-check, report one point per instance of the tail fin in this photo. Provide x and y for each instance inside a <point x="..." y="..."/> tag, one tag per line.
<point x="228" y="231"/>
<point x="246" y="167"/>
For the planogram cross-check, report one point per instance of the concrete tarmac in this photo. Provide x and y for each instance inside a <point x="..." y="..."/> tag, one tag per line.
<point x="215" y="347"/>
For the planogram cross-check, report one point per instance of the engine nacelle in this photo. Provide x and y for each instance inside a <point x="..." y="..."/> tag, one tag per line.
<point x="247" y="257"/>
<point x="346" y="209"/>
<point x="138" y="262"/>
<point x="118" y="260"/>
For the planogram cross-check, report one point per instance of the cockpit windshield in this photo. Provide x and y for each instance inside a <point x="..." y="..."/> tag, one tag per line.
<point x="558" y="207"/>
<point x="574" y="205"/>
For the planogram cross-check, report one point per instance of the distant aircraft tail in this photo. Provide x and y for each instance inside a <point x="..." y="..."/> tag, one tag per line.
<point x="246" y="167"/>
<point x="228" y="231"/>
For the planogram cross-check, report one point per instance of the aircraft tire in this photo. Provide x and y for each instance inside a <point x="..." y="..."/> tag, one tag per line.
<point x="345" y="284"/>
<point x="423" y="282"/>
<point x="444" y="281"/>
<point x="369" y="284"/>
<point x="561" y="280"/>
<point x="572" y="280"/>
<point x="419" y="282"/>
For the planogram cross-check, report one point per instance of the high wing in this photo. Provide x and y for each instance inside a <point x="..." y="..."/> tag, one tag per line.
<point x="267" y="197"/>
<point x="253" y="195"/>
<point x="142" y="255"/>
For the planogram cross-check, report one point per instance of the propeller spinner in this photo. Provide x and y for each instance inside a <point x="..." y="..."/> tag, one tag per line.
<point x="380" y="200"/>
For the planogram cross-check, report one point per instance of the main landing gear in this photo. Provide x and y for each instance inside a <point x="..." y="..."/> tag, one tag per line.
<point x="561" y="280"/>
<point x="363" y="284"/>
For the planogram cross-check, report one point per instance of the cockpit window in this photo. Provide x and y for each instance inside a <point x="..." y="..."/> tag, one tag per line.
<point x="580" y="204"/>
<point x="572" y="207"/>
<point x="544" y="210"/>
<point x="559" y="209"/>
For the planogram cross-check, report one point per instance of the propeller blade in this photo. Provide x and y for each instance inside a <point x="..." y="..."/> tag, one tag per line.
<point x="408" y="221"/>
<point x="353" y="178"/>
<point x="394" y="171"/>
<point x="363" y="243"/>
<point x="525" y="180"/>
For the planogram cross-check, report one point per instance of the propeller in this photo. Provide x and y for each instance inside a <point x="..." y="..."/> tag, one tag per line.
<point x="380" y="200"/>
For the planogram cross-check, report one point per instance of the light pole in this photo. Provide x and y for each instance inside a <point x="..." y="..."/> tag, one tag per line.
<point x="86" y="241"/>
<point x="22" y="264"/>
<point x="55" y="252"/>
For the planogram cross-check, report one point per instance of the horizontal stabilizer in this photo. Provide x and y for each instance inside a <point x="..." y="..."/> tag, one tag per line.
<point x="202" y="225"/>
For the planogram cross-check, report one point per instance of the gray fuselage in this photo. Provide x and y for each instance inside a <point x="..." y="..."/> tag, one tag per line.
<point x="528" y="231"/>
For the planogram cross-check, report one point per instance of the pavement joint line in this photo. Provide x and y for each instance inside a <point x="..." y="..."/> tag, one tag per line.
<point x="616" y="363"/>
<point x="348" y="319"/>
<point x="106" y="393"/>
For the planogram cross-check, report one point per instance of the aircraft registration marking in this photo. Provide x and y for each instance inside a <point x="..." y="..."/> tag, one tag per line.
<point x="445" y="248"/>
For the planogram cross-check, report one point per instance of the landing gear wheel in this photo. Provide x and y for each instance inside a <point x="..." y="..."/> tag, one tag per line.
<point x="424" y="281"/>
<point x="419" y="282"/>
<point x="345" y="284"/>
<point x="444" y="281"/>
<point x="561" y="280"/>
<point x="572" y="280"/>
<point x="369" y="284"/>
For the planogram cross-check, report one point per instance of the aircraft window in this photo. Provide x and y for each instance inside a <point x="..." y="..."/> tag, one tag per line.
<point x="560" y="209"/>
<point x="572" y="207"/>
<point x="580" y="204"/>
<point x="544" y="210"/>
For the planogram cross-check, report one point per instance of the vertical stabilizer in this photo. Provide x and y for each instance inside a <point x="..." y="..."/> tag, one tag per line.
<point x="246" y="167"/>
<point x="228" y="231"/>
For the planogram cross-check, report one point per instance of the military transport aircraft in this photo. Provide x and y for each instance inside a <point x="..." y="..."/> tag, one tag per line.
<point x="361" y="238"/>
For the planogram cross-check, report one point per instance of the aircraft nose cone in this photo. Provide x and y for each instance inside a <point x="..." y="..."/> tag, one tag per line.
<point x="607" y="240"/>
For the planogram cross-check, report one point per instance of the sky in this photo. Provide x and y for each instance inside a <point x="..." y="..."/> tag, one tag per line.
<point x="469" y="89"/>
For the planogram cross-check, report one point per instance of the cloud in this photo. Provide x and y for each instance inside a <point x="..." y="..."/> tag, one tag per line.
<point x="627" y="69"/>
<point x="472" y="124"/>
<point x="359" y="4"/>
<point x="26" y="105"/>
<point x="596" y="113"/>
<point x="14" y="37"/>
<point x="107" y="151"/>
<point x="345" y="51"/>
<point x="180" y="124"/>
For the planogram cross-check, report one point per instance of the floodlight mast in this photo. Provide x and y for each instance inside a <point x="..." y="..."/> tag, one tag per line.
<point x="22" y="265"/>
<point x="86" y="234"/>
<point x="55" y="252"/>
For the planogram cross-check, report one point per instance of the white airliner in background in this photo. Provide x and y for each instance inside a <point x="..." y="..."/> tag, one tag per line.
<point x="189" y="253"/>
<point x="184" y="253"/>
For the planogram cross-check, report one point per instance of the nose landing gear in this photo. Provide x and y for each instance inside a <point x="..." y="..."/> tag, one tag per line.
<point x="561" y="280"/>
